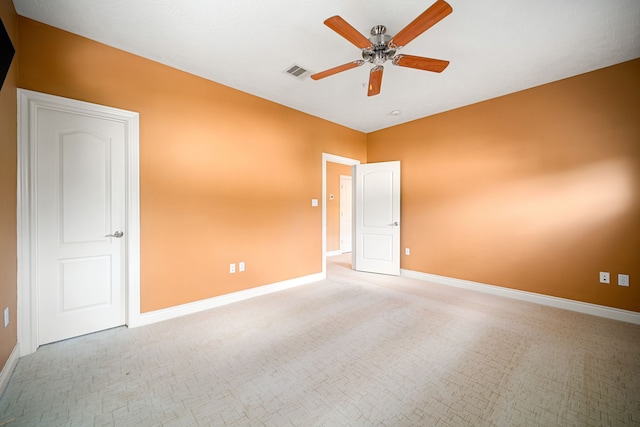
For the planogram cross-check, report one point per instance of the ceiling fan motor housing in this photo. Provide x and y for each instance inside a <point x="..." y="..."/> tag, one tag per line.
<point x="381" y="51"/>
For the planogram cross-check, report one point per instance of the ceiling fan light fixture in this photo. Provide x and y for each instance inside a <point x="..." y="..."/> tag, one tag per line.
<point x="379" y="58"/>
<point x="381" y="47"/>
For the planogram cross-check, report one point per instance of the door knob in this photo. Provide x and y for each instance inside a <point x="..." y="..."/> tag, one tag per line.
<point x="117" y="234"/>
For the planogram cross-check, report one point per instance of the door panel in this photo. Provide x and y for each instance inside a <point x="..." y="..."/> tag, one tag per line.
<point x="377" y="217"/>
<point x="80" y="199"/>
<point x="377" y="247"/>
<point x="377" y="193"/>
<point x="84" y="197"/>
<point x="76" y="273"/>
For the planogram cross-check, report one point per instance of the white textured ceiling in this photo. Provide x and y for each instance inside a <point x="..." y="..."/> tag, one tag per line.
<point x="495" y="47"/>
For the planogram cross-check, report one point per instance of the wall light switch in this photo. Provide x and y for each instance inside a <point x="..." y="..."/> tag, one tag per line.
<point x="241" y="266"/>
<point x="407" y="251"/>
<point x="6" y="317"/>
<point x="314" y="202"/>
<point x="604" y="277"/>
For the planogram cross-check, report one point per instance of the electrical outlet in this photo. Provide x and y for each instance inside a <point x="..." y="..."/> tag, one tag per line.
<point x="623" y="279"/>
<point x="232" y="268"/>
<point x="241" y="266"/>
<point x="6" y="317"/>
<point x="407" y="251"/>
<point x="604" y="277"/>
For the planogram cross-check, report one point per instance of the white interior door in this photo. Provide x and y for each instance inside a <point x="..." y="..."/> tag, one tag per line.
<point x="377" y="218"/>
<point x="346" y="213"/>
<point x="80" y="202"/>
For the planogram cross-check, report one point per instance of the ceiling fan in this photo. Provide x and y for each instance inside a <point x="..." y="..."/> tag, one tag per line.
<point x="381" y="47"/>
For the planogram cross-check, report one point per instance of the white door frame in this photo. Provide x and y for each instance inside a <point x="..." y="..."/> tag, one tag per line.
<point x="335" y="159"/>
<point x="29" y="104"/>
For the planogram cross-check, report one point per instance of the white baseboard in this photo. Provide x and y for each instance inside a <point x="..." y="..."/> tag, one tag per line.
<point x="334" y="253"/>
<point x="198" y="306"/>
<point x="9" y="367"/>
<point x="567" y="304"/>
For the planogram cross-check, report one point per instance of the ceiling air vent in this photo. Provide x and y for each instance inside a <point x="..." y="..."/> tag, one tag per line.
<point x="297" y="71"/>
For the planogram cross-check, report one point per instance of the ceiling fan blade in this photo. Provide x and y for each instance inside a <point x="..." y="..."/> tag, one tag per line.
<point x="345" y="29"/>
<point x="439" y="10"/>
<point x="375" y="80"/>
<point x="336" y="70"/>
<point x="421" y="63"/>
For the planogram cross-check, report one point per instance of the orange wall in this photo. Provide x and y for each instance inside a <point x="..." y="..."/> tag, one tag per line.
<point x="225" y="176"/>
<point x="334" y="170"/>
<point x="538" y="190"/>
<point x="8" y="186"/>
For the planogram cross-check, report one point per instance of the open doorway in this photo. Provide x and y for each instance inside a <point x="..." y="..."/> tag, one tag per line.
<point x="332" y="243"/>
<point x="338" y="201"/>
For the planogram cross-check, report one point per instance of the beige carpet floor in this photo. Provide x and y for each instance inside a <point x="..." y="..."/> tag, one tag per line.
<point x="355" y="350"/>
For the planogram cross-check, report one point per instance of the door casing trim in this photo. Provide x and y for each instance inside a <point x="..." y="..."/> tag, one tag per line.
<point x="29" y="103"/>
